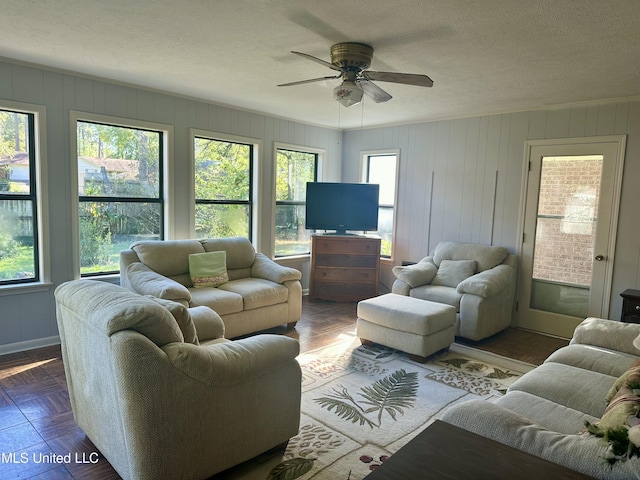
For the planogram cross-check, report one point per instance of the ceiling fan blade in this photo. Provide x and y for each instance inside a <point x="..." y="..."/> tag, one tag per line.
<point x="377" y="94"/>
<point x="405" y="78"/>
<point x="301" y="82"/>
<point x="317" y="60"/>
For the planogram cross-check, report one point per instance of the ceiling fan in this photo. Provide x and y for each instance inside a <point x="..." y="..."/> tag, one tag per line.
<point x="352" y="60"/>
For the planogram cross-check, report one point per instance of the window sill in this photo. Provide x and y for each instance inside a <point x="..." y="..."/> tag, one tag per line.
<point x="23" y="288"/>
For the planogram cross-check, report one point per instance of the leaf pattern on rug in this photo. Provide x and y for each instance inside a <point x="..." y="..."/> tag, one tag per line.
<point x="484" y="380"/>
<point x="290" y="469"/>
<point x="391" y="394"/>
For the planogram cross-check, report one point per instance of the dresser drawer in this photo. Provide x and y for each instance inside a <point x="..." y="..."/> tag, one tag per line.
<point x="352" y="246"/>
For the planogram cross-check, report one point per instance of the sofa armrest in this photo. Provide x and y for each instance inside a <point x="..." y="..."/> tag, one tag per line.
<point x="232" y="363"/>
<point x="401" y="288"/>
<point x="609" y="334"/>
<point x="144" y="281"/>
<point x="421" y="273"/>
<point x="582" y="452"/>
<point x="264" y="267"/>
<point x="208" y="323"/>
<point x="488" y="283"/>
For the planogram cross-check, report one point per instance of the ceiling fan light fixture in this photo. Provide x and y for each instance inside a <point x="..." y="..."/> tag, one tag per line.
<point x="348" y="93"/>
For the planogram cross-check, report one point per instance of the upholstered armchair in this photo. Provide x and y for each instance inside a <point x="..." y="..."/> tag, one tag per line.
<point x="478" y="280"/>
<point x="159" y="390"/>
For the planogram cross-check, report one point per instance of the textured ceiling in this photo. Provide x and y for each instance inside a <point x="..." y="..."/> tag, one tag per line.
<point x="484" y="56"/>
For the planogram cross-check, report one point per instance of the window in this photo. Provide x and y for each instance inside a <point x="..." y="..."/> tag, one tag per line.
<point x="381" y="168"/>
<point x="120" y="194"/>
<point x="294" y="169"/>
<point x="19" y="253"/>
<point x="223" y="188"/>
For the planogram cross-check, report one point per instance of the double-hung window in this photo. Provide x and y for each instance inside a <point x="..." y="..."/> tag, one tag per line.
<point x="294" y="168"/>
<point x="381" y="168"/>
<point x="19" y="233"/>
<point x="223" y="187"/>
<point x="120" y="193"/>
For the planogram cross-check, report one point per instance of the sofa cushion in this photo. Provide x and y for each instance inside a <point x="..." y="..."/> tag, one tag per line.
<point x="487" y="256"/>
<point x="220" y="301"/>
<point x="546" y="413"/>
<point x="167" y="257"/>
<point x="240" y="252"/>
<point x="572" y="387"/>
<point x="257" y="292"/>
<point x="452" y="272"/>
<point x="418" y="274"/>
<point x="182" y="316"/>
<point x="596" y="359"/>
<point x="208" y="269"/>
<point x="145" y="281"/>
<point x="438" y="294"/>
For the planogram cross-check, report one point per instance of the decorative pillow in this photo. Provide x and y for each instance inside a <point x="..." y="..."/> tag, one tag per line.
<point x="633" y="370"/>
<point x="415" y="275"/>
<point x="182" y="317"/>
<point x="208" y="269"/>
<point x="452" y="272"/>
<point x="145" y="281"/>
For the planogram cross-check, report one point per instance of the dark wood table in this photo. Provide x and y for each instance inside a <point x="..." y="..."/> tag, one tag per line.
<point x="443" y="451"/>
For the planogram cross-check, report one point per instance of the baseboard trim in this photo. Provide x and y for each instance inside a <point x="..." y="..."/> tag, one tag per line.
<point x="29" y="345"/>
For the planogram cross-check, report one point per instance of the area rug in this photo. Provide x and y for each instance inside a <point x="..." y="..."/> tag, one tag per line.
<point x="360" y="404"/>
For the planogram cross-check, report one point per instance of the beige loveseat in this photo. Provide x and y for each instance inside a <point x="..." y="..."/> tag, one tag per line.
<point x="162" y="396"/>
<point x="260" y="294"/>
<point x="544" y="412"/>
<point x="478" y="280"/>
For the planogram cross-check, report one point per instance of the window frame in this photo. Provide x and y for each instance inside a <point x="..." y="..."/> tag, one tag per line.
<point x="165" y="180"/>
<point x="254" y="175"/>
<point x="319" y="160"/>
<point x="38" y="196"/>
<point x="365" y="157"/>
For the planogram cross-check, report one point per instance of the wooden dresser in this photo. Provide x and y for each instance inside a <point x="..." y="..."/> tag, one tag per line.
<point x="344" y="268"/>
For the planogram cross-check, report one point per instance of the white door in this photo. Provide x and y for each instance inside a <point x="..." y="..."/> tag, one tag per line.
<point x="570" y="213"/>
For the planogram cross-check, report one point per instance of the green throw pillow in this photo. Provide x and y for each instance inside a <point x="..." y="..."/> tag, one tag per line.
<point x="208" y="269"/>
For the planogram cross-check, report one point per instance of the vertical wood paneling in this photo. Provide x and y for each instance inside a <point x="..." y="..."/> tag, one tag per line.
<point x="465" y="156"/>
<point x="591" y="126"/>
<point x="578" y="121"/>
<point x="31" y="316"/>
<point x="116" y="100"/>
<point x="28" y="84"/>
<point x="558" y="123"/>
<point x="6" y="80"/>
<point x="99" y="97"/>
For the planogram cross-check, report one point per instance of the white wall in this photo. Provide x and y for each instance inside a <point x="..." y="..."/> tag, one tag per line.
<point x="27" y="315"/>
<point x="468" y="158"/>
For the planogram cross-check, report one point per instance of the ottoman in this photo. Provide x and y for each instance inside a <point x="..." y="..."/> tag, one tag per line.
<point x="418" y="327"/>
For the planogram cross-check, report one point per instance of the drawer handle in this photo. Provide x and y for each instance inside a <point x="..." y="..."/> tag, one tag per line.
<point x="637" y="307"/>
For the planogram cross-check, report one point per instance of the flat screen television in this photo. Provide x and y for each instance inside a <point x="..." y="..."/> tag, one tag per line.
<point x="342" y="206"/>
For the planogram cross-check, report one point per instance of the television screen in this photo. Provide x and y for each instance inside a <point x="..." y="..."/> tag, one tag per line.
<point x="342" y="206"/>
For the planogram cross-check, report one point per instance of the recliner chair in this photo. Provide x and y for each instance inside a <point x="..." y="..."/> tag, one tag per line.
<point x="478" y="280"/>
<point x="164" y="396"/>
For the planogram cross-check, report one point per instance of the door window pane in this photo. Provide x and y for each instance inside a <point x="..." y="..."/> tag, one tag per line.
<point x="565" y="234"/>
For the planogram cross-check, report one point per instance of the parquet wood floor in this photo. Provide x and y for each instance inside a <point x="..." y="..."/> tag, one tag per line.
<point x="36" y="419"/>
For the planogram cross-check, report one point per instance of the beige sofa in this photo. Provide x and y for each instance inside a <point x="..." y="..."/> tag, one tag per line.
<point x="544" y="412"/>
<point x="260" y="294"/>
<point x="478" y="280"/>
<point x="162" y="394"/>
